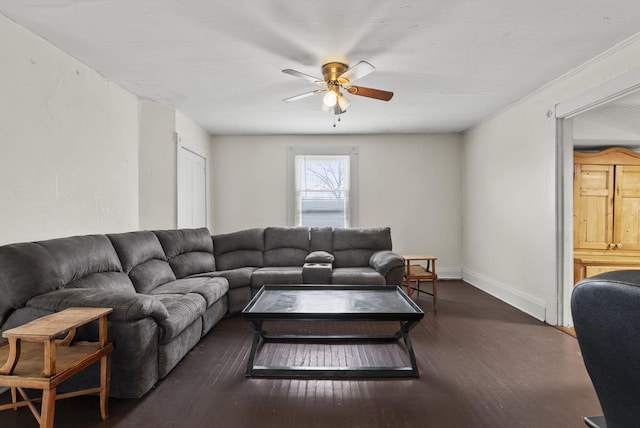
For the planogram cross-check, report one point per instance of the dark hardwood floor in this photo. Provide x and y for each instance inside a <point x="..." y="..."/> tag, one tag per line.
<point x="482" y="364"/>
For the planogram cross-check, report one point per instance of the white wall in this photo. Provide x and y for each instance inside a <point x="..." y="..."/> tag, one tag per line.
<point x="510" y="189"/>
<point x="68" y="144"/>
<point x="157" y="147"/>
<point x="411" y="183"/>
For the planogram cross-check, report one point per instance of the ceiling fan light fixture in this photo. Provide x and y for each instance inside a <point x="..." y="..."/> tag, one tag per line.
<point x="339" y="76"/>
<point x="343" y="102"/>
<point x="330" y="99"/>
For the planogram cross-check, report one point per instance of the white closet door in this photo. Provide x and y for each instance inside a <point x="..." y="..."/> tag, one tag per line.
<point x="192" y="188"/>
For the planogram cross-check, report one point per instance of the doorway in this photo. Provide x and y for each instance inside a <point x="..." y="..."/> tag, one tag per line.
<point x="599" y="118"/>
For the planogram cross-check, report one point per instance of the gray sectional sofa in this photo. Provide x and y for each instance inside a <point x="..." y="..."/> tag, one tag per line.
<point x="169" y="288"/>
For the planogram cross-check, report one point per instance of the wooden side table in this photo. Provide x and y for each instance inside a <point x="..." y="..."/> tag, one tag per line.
<point x="417" y="273"/>
<point x="37" y="358"/>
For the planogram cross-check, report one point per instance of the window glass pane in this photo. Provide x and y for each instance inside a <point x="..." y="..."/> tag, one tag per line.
<point x="322" y="190"/>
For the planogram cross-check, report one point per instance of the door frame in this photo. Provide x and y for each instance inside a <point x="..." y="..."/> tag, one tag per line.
<point x="561" y="130"/>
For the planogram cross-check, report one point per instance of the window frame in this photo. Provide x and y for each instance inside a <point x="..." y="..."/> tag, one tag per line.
<point x="350" y="151"/>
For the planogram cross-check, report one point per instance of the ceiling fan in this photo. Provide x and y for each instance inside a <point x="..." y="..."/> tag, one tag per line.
<point x="337" y="76"/>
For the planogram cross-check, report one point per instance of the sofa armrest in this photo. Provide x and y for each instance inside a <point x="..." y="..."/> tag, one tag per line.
<point x="385" y="261"/>
<point x="126" y="306"/>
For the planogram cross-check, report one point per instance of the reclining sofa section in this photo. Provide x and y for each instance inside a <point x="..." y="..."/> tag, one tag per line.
<point x="169" y="288"/>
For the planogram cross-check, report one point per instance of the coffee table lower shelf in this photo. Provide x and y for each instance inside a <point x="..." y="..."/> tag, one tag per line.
<point x="300" y="372"/>
<point x="331" y="372"/>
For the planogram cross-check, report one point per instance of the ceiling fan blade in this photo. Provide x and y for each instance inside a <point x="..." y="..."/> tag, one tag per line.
<point x="303" y="76"/>
<point x="359" y="70"/>
<point x="370" y="93"/>
<point x="305" y="95"/>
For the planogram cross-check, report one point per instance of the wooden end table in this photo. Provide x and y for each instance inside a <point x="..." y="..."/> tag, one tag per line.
<point x="415" y="272"/>
<point x="36" y="357"/>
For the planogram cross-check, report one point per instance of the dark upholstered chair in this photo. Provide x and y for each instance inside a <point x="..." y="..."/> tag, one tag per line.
<point x="606" y="316"/>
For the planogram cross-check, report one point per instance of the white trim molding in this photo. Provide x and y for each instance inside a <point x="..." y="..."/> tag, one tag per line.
<point x="449" y="273"/>
<point x="522" y="301"/>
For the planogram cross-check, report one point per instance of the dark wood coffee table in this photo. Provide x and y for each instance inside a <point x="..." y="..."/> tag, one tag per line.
<point x="333" y="303"/>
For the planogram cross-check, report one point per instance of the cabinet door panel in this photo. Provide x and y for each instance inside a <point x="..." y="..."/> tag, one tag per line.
<point x="626" y="225"/>
<point x="593" y="206"/>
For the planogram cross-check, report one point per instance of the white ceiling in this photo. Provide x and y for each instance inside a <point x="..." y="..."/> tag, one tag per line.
<point x="616" y="122"/>
<point x="451" y="64"/>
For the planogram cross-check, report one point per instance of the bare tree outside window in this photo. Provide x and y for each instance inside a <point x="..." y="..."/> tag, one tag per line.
<point x="322" y="190"/>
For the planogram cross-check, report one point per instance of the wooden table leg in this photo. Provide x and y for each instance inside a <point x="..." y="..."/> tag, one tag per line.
<point x="49" y="357"/>
<point x="408" y="275"/>
<point x="48" y="408"/>
<point x="105" y="383"/>
<point x="14" y="397"/>
<point x="435" y="295"/>
<point x="14" y="355"/>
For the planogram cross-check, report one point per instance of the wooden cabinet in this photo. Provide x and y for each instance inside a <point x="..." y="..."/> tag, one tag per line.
<point x="606" y="206"/>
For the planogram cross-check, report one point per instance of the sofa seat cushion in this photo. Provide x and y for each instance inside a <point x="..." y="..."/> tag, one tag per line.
<point x="356" y="276"/>
<point x="211" y="289"/>
<point x="276" y="275"/>
<point x="183" y="310"/>
<point x="237" y="278"/>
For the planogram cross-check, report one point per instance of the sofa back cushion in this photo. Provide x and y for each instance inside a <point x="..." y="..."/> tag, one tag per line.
<point x="143" y="259"/>
<point x="26" y="270"/>
<point x="244" y="248"/>
<point x="88" y="262"/>
<point x="321" y="239"/>
<point x="354" y="247"/>
<point x="188" y="251"/>
<point x="285" y="246"/>
<point x="33" y="268"/>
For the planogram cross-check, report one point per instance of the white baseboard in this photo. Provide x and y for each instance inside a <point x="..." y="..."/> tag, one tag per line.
<point x="523" y="301"/>
<point x="449" y="273"/>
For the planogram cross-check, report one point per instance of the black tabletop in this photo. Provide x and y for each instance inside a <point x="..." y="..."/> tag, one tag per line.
<point x="331" y="301"/>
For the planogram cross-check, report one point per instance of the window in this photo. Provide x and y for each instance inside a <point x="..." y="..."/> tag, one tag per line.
<point x="322" y="186"/>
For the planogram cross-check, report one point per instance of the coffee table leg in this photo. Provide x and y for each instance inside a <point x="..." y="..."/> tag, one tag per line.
<point x="405" y="327"/>
<point x="258" y="338"/>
